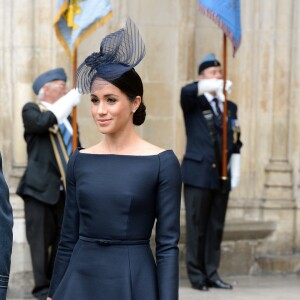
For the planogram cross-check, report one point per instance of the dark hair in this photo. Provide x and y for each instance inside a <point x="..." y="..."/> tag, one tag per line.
<point x="130" y="83"/>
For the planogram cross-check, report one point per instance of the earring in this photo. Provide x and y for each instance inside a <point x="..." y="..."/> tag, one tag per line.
<point x="133" y="110"/>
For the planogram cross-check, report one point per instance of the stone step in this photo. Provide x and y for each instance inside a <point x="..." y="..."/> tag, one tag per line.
<point x="242" y="230"/>
<point x="247" y="230"/>
<point x="240" y="240"/>
<point x="278" y="263"/>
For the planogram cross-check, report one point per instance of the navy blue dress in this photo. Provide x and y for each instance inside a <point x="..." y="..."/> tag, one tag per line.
<point x="112" y="204"/>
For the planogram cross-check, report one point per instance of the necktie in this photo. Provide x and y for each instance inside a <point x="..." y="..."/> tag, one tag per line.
<point x="67" y="137"/>
<point x="218" y="110"/>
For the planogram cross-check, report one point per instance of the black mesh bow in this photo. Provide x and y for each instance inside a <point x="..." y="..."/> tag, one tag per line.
<point x="119" y="52"/>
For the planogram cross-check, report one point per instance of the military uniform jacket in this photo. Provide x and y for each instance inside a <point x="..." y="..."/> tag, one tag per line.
<point x="199" y="165"/>
<point x="41" y="179"/>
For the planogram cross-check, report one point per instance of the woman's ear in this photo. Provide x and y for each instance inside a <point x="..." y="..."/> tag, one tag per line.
<point x="136" y="103"/>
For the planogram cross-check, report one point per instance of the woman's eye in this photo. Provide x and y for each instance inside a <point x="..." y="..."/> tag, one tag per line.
<point x="94" y="100"/>
<point x="111" y="100"/>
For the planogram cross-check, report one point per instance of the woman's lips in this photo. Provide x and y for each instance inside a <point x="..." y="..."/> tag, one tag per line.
<point x="103" y="121"/>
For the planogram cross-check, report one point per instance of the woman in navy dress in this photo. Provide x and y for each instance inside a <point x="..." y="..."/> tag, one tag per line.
<point x="118" y="190"/>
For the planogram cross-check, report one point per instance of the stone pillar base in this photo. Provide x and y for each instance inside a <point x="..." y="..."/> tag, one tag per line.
<point x="279" y="206"/>
<point x="278" y="186"/>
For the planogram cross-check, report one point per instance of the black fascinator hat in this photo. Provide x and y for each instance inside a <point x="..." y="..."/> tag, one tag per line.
<point x="119" y="52"/>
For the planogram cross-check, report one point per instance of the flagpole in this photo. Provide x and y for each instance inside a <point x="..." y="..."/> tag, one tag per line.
<point x="224" y="119"/>
<point x="66" y="24"/>
<point x="74" y="110"/>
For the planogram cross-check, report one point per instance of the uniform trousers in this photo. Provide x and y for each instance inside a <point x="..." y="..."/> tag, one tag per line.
<point x="43" y="225"/>
<point x="205" y="218"/>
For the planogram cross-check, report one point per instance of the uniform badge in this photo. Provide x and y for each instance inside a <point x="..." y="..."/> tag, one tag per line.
<point x="235" y="125"/>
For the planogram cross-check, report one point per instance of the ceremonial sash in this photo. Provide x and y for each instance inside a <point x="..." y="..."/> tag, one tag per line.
<point x="59" y="149"/>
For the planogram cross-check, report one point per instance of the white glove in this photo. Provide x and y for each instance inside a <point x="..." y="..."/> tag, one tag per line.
<point x="235" y="169"/>
<point x="227" y="86"/>
<point x="63" y="106"/>
<point x="219" y="93"/>
<point x="213" y="85"/>
<point x="208" y="85"/>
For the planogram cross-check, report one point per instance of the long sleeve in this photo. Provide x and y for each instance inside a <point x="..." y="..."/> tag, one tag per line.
<point x="168" y="226"/>
<point x="188" y="97"/>
<point x="6" y="235"/>
<point x="35" y="120"/>
<point x="70" y="229"/>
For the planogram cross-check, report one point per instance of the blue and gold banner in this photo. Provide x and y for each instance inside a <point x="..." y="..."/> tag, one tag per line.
<point x="226" y="14"/>
<point x="76" y="19"/>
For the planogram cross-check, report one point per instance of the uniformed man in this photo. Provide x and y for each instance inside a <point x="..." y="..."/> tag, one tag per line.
<point x="206" y="195"/>
<point x="42" y="185"/>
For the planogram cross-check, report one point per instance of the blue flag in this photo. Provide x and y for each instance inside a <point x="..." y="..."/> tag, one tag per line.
<point x="76" y="19"/>
<point x="226" y="14"/>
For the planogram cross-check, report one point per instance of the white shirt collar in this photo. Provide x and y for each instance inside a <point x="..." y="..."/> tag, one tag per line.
<point x="46" y="104"/>
<point x="209" y="97"/>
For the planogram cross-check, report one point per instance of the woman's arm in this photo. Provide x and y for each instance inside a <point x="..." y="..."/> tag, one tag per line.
<point x="168" y="226"/>
<point x="70" y="229"/>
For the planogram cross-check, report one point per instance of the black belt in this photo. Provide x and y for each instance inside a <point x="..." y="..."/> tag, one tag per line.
<point x="106" y="242"/>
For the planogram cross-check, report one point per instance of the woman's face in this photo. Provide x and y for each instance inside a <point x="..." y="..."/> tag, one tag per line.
<point x="111" y="109"/>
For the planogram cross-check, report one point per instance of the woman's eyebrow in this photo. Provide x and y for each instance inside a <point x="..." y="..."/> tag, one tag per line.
<point x="105" y="95"/>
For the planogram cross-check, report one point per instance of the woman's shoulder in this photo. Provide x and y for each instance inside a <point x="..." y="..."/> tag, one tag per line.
<point x="73" y="156"/>
<point x="169" y="167"/>
<point x="168" y="157"/>
<point x="147" y="148"/>
<point x="85" y="150"/>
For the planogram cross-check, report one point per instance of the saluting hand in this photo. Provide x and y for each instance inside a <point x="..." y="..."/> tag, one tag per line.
<point x="213" y="85"/>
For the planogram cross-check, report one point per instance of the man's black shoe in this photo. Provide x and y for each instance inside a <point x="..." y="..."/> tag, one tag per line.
<point x="201" y="287"/>
<point x="219" y="284"/>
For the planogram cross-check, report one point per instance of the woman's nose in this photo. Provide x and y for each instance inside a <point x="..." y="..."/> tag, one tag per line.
<point x="102" y="108"/>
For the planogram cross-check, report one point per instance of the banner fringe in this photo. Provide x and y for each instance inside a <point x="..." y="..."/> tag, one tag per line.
<point x="207" y="12"/>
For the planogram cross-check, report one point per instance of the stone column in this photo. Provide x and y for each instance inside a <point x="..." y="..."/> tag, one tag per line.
<point x="20" y="54"/>
<point x="295" y="121"/>
<point x="186" y="63"/>
<point x="185" y="72"/>
<point x="278" y="204"/>
<point x="22" y="66"/>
